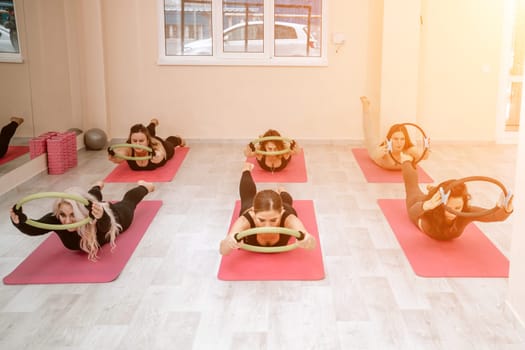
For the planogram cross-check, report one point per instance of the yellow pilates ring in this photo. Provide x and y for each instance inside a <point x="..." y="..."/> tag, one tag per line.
<point x="272" y="138"/>
<point x="131" y="145"/>
<point x="263" y="249"/>
<point x="63" y="195"/>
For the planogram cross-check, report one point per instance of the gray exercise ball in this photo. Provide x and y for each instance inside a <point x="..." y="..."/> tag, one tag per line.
<point x="95" y="139"/>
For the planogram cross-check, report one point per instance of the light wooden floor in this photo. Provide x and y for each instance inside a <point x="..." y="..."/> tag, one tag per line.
<point x="168" y="296"/>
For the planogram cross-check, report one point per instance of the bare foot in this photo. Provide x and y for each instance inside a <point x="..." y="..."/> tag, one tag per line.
<point x="149" y="186"/>
<point x="247" y="166"/>
<point x="18" y="120"/>
<point x="155" y="121"/>
<point x="99" y="183"/>
<point x="281" y="189"/>
<point x="365" y="101"/>
<point x="182" y="142"/>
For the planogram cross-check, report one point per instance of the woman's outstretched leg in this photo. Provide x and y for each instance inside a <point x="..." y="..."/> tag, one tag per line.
<point x="152" y="125"/>
<point x="247" y="188"/>
<point x="410" y="177"/>
<point x="125" y="209"/>
<point x="370" y="128"/>
<point x="7" y="133"/>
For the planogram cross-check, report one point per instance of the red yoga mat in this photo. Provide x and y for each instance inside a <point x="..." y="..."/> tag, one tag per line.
<point x="51" y="262"/>
<point x="470" y="255"/>
<point x="374" y="173"/>
<point x="166" y="173"/>
<point x="295" y="171"/>
<point x="297" y="264"/>
<point x="14" y="152"/>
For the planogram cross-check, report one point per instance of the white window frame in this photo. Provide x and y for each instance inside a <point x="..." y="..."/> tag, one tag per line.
<point x="220" y="58"/>
<point x="11" y="57"/>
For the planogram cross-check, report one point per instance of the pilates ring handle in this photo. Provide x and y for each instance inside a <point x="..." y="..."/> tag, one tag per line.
<point x="52" y="227"/>
<point x="111" y="151"/>
<point x="273" y="138"/>
<point x="426" y="145"/>
<point x="261" y="249"/>
<point x="506" y="193"/>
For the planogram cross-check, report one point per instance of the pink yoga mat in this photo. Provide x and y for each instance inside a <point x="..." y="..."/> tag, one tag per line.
<point x="51" y="262"/>
<point x="374" y="173"/>
<point x="166" y="173"/>
<point x="295" y="171"/>
<point x="13" y="152"/>
<point x="470" y="255"/>
<point x="297" y="264"/>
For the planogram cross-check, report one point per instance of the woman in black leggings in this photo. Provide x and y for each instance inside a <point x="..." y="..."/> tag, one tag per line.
<point x="266" y="208"/>
<point x="7" y="134"/>
<point x="109" y="219"/>
<point x="163" y="150"/>
<point x="427" y="212"/>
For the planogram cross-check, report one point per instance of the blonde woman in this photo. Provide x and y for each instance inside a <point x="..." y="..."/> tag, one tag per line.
<point x="109" y="219"/>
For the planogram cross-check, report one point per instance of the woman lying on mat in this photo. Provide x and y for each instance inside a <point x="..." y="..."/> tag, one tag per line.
<point x="379" y="151"/>
<point x="163" y="150"/>
<point x="109" y="219"/>
<point x="272" y="162"/>
<point x="7" y="134"/>
<point x="430" y="216"/>
<point x="262" y="209"/>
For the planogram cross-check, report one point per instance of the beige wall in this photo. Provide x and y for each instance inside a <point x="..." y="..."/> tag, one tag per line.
<point x="92" y="63"/>
<point x="460" y="68"/>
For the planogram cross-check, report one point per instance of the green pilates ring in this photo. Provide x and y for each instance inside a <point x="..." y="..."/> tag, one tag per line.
<point x="259" y="249"/>
<point x="273" y="138"/>
<point x="506" y="193"/>
<point x="63" y="195"/>
<point x="131" y="145"/>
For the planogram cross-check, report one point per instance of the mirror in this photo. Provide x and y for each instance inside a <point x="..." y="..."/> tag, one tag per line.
<point x="15" y="73"/>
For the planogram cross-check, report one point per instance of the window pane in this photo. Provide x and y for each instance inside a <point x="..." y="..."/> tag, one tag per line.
<point x="243" y="25"/>
<point x="188" y="27"/>
<point x="8" y="32"/>
<point x="297" y="28"/>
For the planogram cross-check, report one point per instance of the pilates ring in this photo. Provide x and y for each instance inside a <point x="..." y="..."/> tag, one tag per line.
<point x="426" y="144"/>
<point x="63" y="195"/>
<point x="259" y="249"/>
<point x="506" y="193"/>
<point x="273" y="138"/>
<point x="131" y="145"/>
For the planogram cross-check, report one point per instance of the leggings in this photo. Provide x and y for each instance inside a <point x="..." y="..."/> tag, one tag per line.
<point x="412" y="191"/>
<point x="248" y="190"/>
<point x="5" y="137"/>
<point x="169" y="144"/>
<point x="125" y="209"/>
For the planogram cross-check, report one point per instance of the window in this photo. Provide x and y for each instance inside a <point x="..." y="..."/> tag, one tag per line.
<point x="242" y="32"/>
<point x="9" y="47"/>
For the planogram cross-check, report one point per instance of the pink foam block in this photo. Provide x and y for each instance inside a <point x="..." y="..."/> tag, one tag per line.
<point x="374" y="173"/>
<point x="470" y="255"/>
<point x="166" y="173"/>
<point x="51" y="262"/>
<point x="297" y="264"/>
